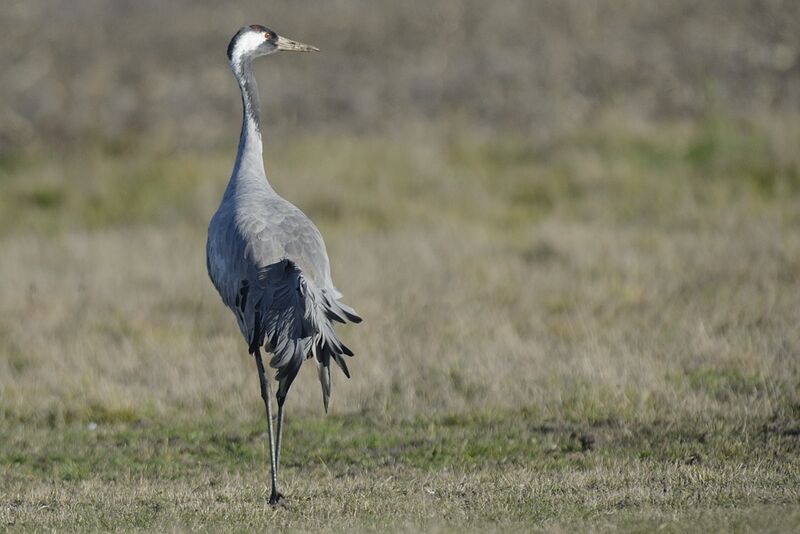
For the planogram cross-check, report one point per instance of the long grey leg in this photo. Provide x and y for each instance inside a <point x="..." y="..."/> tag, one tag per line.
<point x="278" y="436"/>
<point x="274" y="498"/>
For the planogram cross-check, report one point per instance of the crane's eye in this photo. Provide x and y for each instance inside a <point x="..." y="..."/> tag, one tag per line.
<point x="267" y="36"/>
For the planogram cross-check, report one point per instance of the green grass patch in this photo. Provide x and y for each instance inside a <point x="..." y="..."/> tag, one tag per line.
<point x="569" y="473"/>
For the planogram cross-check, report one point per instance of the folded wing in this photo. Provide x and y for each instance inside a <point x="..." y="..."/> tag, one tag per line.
<point x="293" y="320"/>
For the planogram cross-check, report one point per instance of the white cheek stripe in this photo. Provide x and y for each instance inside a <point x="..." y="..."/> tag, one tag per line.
<point x="247" y="43"/>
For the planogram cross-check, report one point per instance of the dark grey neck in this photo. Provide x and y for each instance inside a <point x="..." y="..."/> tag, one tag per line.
<point x="248" y="171"/>
<point x="249" y="87"/>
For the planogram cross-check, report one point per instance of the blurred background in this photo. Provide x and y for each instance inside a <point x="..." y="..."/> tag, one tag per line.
<point x="578" y="208"/>
<point x="77" y="72"/>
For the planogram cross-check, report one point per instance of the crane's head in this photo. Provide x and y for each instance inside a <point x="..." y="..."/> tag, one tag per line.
<point x="256" y="40"/>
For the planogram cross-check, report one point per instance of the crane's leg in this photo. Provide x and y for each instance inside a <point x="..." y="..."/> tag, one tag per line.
<point x="278" y="435"/>
<point x="274" y="497"/>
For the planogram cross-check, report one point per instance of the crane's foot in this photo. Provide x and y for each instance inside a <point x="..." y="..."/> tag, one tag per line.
<point x="277" y="499"/>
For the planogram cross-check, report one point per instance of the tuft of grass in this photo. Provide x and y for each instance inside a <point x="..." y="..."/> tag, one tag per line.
<point x="46" y="198"/>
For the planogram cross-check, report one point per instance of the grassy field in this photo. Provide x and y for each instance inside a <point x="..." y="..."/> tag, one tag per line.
<point x="594" y="331"/>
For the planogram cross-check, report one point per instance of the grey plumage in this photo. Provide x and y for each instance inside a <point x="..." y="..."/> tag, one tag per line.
<point x="266" y="259"/>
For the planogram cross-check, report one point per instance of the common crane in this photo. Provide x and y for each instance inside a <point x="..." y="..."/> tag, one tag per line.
<point x="268" y="261"/>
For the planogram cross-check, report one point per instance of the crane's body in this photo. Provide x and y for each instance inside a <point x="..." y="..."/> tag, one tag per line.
<point x="268" y="261"/>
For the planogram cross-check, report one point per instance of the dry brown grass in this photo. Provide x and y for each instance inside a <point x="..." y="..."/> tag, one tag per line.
<point x="614" y="313"/>
<point x="588" y="284"/>
<point x="440" y="501"/>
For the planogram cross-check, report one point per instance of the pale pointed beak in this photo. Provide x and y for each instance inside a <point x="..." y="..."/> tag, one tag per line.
<point x="287" y="44"/>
